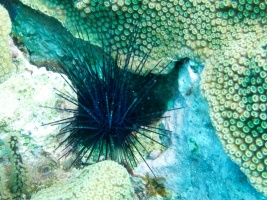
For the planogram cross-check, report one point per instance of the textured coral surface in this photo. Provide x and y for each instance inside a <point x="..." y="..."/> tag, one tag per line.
<point x="175" y="28"/>
<point x="5" y="54"/>
<point x="236" y="92"/>
<point x="104" y="180"/>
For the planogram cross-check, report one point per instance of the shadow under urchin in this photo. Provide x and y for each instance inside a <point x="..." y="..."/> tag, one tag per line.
<point x="117" y="104"/>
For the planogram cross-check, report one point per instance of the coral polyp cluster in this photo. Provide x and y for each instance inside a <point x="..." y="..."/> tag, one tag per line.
<point x="103" y="180"/>
<point x="236" y="92"/>
<point x="5" y="54"/>
<point x="198" y="27"/>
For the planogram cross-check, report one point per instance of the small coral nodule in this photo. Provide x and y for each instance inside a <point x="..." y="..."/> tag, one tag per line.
<point x="115" y="108"/>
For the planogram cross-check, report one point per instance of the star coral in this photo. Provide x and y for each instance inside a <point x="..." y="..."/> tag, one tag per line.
<point x="196" y="24"/>
<point x="5" y="54"/>
<point x="104" y="180"/>
<point x="175" y="28"/>
<point x="236" y="92"/>
<point x="228" y="36"/>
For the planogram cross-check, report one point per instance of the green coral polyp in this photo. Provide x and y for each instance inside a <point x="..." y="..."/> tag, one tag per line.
<point x="264" y="136"/>
<point x="259" y="142"/>
<point x="252" y="147"/>
<point x="248" y="139"/>
<point x="259" y="155"/>
<point x="255" y="160"/>
<point x="264" y="125"/>
<point x="252" y="167"/>
<point x="264" y="174"/>
<point x="240" y="124"/>
<point x="246" y="129"/>
<point x="243" y="147"/>
<point x="263" y="116"/>
<point x="238" y="141"/>
<point x="248" y="153"/>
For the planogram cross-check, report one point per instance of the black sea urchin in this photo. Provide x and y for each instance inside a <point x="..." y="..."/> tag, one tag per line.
<point x="116" y="108"/>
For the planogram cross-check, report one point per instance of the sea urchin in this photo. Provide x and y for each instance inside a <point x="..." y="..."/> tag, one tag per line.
<point x="116" y="105"/>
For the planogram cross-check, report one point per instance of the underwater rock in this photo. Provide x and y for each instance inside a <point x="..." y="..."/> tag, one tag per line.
<point x="23" y="97"/>
<point x="22" y="117"/>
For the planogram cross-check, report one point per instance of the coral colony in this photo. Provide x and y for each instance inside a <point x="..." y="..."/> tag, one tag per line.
<point x="228" y="36"/>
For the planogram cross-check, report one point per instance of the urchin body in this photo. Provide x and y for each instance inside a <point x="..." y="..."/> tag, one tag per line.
<point x="113" y="104"/>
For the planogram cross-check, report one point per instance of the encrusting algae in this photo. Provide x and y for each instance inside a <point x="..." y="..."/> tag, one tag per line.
<point x="155" y="186"/>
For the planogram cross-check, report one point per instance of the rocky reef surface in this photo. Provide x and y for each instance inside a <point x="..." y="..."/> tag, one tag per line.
<point x="194" y="166"/>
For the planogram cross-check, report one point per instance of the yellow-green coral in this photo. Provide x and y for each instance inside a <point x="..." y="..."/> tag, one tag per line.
<point x="235" y="85"/>
<point x="104" y="180"/>
<point x="5" y="54"/>
<point x="176" y="28"/>
<point x="228" y="36"/>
